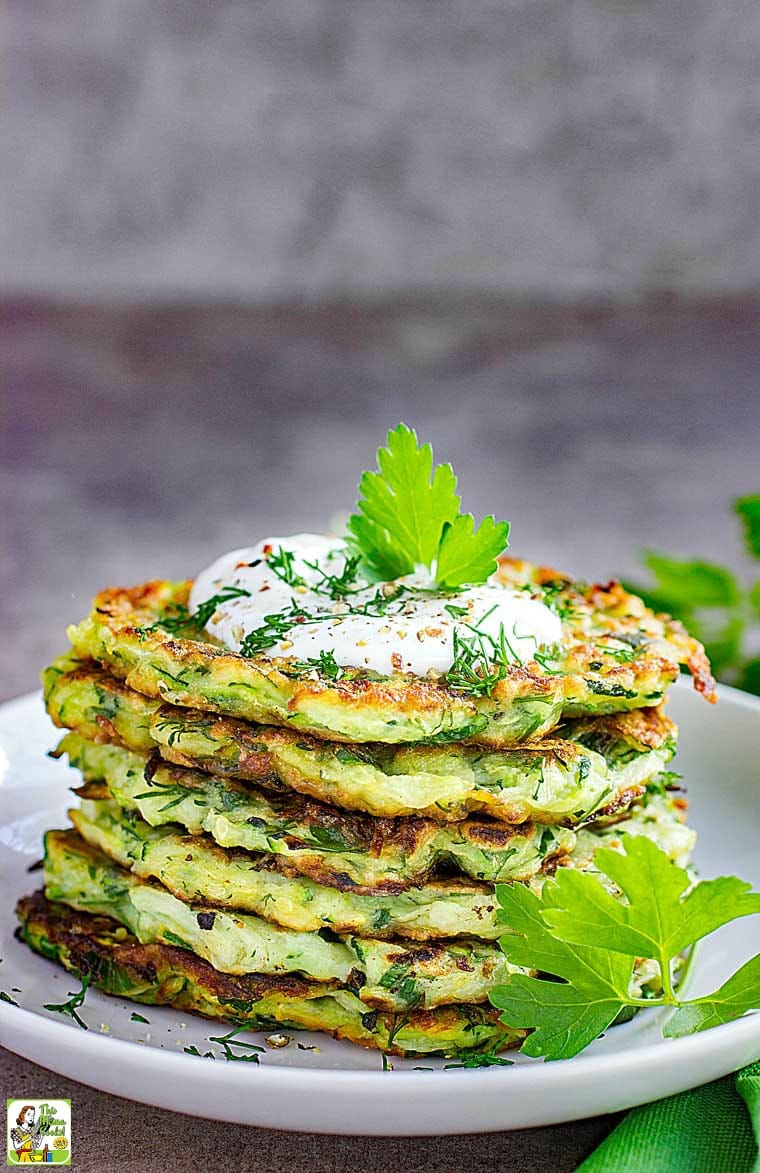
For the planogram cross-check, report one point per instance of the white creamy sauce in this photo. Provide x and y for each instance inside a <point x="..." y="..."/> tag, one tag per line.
<point x="415" y="634"/>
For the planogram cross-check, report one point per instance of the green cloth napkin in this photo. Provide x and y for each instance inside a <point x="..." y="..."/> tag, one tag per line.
<point x="712" y="1129"/>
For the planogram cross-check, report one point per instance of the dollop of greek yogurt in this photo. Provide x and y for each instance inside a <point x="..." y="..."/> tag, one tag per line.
<point x="408" y="628"/>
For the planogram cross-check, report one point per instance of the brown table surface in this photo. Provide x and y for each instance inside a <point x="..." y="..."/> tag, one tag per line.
<point x="139" y="442"/>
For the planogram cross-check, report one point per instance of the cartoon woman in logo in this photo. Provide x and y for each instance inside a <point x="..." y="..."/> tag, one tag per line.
<point x="26" y="1138"/>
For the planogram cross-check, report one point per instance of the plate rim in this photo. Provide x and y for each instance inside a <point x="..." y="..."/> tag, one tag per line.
<point x="273" y="1084"/>
<point x="583" y="1064"/>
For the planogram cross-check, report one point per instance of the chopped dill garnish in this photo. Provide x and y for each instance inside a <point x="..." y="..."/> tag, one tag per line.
<point x="229" y="1041"/>
<point x="474" y="1059"/>
<point x="281" y="561"/>
<point x="181" y="618"/>
<point x="397" y="1024"/>
<point x="176" y="792"/>
<point x="75" y="1001"/>
<point x="549" y="658"/>
<point x="337" y="586"/>
<point x="541" y="780"/>
<point x="276" y="627"/>
<point x="325" y="663"/>
<point x="480" y="660"/>
<point x="556" y="596"/>
<point x="622" y="655"/>
<point x="205" y="610"/>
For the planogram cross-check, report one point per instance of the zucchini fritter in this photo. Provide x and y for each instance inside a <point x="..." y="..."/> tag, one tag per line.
<point x="389" y="975"/>
<point x="355" y="853"/>
<point x="99" y="948"/>
<point x="595" y="764"/>
<point x="194" y="869"/>
<point x="616" y="655"/>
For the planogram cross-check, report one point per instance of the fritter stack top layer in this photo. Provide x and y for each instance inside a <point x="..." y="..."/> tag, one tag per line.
<point x="615" y="655"/>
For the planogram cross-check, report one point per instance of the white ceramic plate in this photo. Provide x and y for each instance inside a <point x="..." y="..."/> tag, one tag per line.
<point x="340" y="1088"/>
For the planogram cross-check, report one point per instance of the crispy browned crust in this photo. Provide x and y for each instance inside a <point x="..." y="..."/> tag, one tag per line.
<point x="704" y="681"/>
<point x="130" y="610"/>
<point x="621" y="802"/>
<point x="650" y="727"/>
<point x="446" y="887"/>
<point x="366" y="834"/>
<point x="88" y="940"/>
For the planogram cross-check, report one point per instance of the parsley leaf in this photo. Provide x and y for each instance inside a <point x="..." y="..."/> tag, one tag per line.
<point x="381" y="558"/>
<point x="718" y="610"/>
<point x="405" y="503"/>
<point x="587" y="986"/>
<point x="565" y="1016"/>
<point x="748" y="509"/>
<point x="408" y="516"/>
<point x="731" y="1000"/>
<point x="658" y="920"/>
<point x="468" y="555"/>
<point x="696" y="583"/>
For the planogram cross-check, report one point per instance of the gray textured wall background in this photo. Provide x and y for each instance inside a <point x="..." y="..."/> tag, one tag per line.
<point x="374" y="147"/>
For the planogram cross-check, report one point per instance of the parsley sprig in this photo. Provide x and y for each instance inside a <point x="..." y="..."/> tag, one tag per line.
<point x="584" y="987"/>
<point x="409" y="516"/>
<point x="716" y="607"/>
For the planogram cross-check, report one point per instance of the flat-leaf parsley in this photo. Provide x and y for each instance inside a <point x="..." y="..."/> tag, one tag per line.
<point x="584" y="987"/>
<point x="408" y="516"/>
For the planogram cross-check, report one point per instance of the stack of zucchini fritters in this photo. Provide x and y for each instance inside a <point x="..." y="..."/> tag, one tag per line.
<point x="243" y="850"/>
